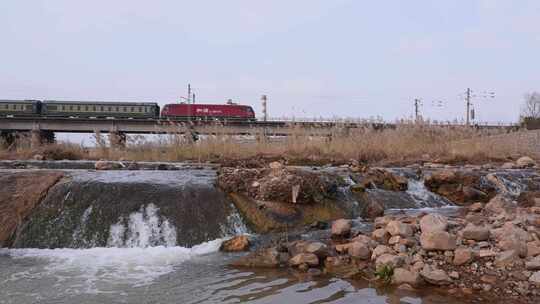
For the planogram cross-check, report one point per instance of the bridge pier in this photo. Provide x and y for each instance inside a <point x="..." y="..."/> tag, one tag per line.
<point x="117" y="140"/>
<point x="7" y="138"/>
<point x="39" y="137"/>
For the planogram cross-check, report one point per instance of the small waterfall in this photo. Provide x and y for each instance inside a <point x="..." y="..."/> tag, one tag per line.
<point x="423" y="197"/>
<point x="144" y="228"/>
<point x="234" y="225"/>
<point x="78" y="237"/>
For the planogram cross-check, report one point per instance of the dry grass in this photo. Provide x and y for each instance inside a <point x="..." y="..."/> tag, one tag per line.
<point x="407" y="142"/>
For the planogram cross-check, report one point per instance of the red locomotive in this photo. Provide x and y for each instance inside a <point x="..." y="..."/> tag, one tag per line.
<point x="208" y="112"/>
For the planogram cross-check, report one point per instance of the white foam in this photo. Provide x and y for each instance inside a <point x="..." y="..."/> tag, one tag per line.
<point x="143" y="229"/>
<point x="98" y="269"/>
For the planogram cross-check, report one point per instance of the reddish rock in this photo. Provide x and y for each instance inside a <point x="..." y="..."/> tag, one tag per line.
<point x="236" y="244"/>
<point x="309" y="259"/>
<point x="435" y="276"/>
<point x="433" y="222"/>
<point x="437" y="240"/>
<point x="399" y="228"/>
<point x="404" y="276"/>
<point x="477" y="233"/>
<point x="462" y="256"/>
<point x="360" y="250"/>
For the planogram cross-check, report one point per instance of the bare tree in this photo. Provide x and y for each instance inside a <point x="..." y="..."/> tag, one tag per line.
<point x="531" y="106"/>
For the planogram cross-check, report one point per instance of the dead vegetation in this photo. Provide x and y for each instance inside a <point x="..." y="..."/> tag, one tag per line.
<point x="405" y="143"/>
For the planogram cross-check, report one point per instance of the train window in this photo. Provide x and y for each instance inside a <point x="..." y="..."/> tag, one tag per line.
<point x="51" y="108"/>
<point x="63" y="107"/>
<point x="117" y="109"/>
<point x="132" y="109"/>
<point x="94" y="108"/>
<point x="145" y="109"/>
<point x="86" y="108"/>
<point x="29" y="107"/>
<point x="101" y="108"/>
<point x="71" y="108"/>
<point x="110" y="109"/>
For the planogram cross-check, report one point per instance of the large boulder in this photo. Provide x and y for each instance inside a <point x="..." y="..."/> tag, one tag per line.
<point x="512" y="237"/>
<point x="391" y="260"/>
<point x="529" y="199"/>
<point x="341" y="227"/>
<point x="437" y="240"/>
<point x="433" y="222"/>
<point x="20" y="194"/>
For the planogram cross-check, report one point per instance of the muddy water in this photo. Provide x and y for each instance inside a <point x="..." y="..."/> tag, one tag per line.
<point x="142" y="255"/>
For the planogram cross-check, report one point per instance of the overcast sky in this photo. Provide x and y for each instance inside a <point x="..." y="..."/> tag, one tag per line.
<point x="312" y="58"/>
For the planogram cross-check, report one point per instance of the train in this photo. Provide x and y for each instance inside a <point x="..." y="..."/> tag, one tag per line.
<point x="126" y="110"/>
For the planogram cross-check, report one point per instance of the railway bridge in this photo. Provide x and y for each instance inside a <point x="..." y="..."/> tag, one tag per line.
<point x="42" y="129"/>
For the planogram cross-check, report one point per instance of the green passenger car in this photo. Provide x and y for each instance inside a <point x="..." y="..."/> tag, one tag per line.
<point x="89" y="109"/>
<point x="19" y="108"/>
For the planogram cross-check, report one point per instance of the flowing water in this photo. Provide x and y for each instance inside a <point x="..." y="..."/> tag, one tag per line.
<point x="148" y="254"/>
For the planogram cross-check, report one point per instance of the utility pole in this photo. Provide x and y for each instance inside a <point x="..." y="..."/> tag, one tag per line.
<point x="265" y="113"/>
<point x="189" y="93"/>
<point x="193" y="98"/>
<point x="468" y="100"/>
<point x="417" y="103"/>
<point x="468" y="97"/>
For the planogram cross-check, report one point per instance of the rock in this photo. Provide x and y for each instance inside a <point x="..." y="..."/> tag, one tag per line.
<point x="533" y="264"/>
<point x="391" y="260"/>
<point x="264" y="258"/>
<point x="476" y="207"/>
<point x="511" y="237"/>
<point x="359" y="250"/>
<point x="399" y="228"/>
<point x="296" y="247"/>
<point x="381" y="235"/>
<point x="38" y="157"/>
<point x="106" y="165"/>
<point x="454" y="275"/>
<point x="525" y="162"/>
<point x="404" y="276"/>
<point x="317" y="248"/>
<point x="505" y="258"/>
<point x="372" y="209"/>
<point x="486" y="253"/>
<point x="489" y="279"/>
<point x="499" y="204"/>
<point x="437" y="240"/>
<point x="380" y="250"/>
<point x="533" y="249"/>
<point x="341" y="227"/>
<point x="477" y="233"/>
<point x="535" y="278"/>
<point x="133" y="166"/>
<point x="276" y="165"/>
<point x="20" y="194"/>
<point x="309" y="259"/>
<point x="462" y="256"/>
<point x="237" y="243"/>
<point x="435" y="276"/>
<point x="433" y="222"/>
